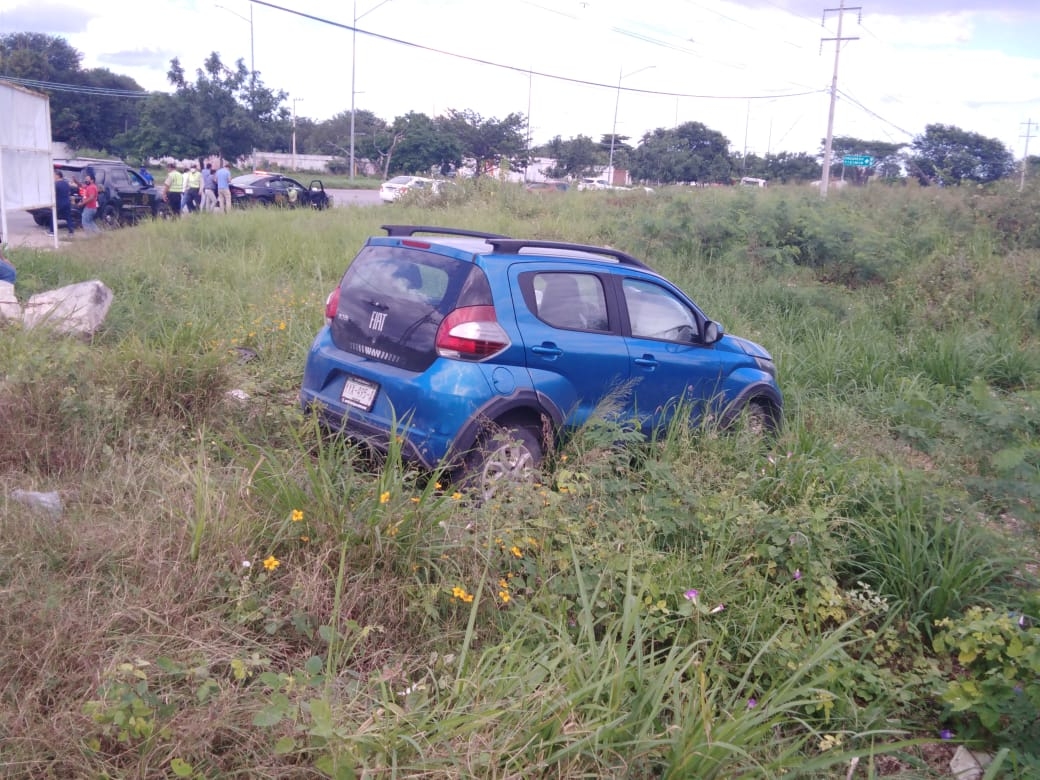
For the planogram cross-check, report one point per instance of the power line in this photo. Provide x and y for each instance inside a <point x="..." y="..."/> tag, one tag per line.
<point x="853" y="100"/>
<point x="526" y="71"/>
<point x="79" y="89"/>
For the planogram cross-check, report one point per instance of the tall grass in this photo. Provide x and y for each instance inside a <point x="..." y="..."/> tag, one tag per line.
<point x="231" y="592"/>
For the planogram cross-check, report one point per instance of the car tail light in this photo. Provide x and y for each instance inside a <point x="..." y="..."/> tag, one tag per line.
<point x="331" y="305"/>
<point x="471" y="332"/>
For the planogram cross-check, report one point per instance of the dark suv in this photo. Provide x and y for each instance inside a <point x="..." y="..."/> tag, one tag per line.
<point x="124" y="197"/>
<point x="476" y="350"/>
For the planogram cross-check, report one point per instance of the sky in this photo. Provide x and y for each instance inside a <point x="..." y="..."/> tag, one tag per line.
<point x="758" y="71"/>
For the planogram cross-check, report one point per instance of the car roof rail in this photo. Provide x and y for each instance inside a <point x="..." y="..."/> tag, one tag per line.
<point x="411" y="230"/>
<point x="60" y="160"/>
<point x="513" y="246"/>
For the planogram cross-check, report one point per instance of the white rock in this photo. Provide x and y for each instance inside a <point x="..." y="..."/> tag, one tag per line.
<point x="10" y="309"/>
<point x="50" y="502"/>
<point x="75" y="309"/>
<point x="966" y="765"/>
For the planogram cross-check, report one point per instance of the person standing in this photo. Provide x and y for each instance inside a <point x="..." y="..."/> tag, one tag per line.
<point x="224" y="187"/>
<point x="209" y="189"/>
<point x="90" y="205"/>
<point x="192" y="185"/>
<point x="62" y="202"/>
<point x="173" y="188"/>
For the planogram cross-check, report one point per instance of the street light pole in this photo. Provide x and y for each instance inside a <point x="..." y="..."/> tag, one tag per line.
<point x="252" y="61"/>
<point x="353" y="76"/>
<point x="613" y="132"/>
<point x="294" y="102"/>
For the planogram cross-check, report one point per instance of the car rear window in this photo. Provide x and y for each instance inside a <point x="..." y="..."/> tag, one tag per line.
<point x="393" y="299"/>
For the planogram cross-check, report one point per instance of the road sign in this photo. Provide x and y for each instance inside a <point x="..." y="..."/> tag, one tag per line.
<point x="858" y="160"/>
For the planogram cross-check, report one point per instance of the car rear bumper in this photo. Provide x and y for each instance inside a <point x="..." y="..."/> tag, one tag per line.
<point x="423" y="412"/>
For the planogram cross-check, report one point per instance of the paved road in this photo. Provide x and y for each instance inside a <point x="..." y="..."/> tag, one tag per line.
<point x="24" y="232"/>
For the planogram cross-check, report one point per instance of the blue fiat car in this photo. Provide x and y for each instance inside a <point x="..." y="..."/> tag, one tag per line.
<point x="477" y="351"/>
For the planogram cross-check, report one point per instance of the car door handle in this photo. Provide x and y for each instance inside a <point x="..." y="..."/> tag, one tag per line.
<point x="647" y="361"/>
<point x="548" y="349"/>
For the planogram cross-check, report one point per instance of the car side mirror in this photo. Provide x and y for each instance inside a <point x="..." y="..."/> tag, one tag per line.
<point x="713" y="331"/>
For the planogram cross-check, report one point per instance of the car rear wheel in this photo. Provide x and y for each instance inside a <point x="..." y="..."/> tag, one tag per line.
<point x="506" y="456"/>
<point x="110" y="216"/>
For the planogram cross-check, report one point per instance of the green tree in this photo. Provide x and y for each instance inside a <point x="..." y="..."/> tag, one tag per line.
<point x="788" y="167"/>
<point x="488" y="141"/>
<point x="577" y="157"/>
<point x="333" y="136"/>
<point x="689" y="152"/>
<point x="224" y="111"/>
<point x="945" y="154"/>
<point x="81" y="116"/>
<point x="417" y="144"/>
<point x="886" y="158"/>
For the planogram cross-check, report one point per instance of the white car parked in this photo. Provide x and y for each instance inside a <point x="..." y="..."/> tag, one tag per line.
<point x="393" y="189"/>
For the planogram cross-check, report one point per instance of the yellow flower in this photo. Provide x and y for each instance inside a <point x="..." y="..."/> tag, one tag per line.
<point x="516" y="551"/>
<point x="384" y="497"/>
<point x="456" y="496"/>
<point x="504" y="595"/>
<point x="271" y="563"/>
<point x="415" y="499"/>
<point x="305" y="538"/>
<point x="281" y="325"/>
<point x="297" y="515"/>
<point x="503" y="584"/>
<point x="436" y="485"/>
<point x="461" y="594"/>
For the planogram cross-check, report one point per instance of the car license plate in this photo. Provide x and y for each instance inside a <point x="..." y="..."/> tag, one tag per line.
<point x="359" y="392"/>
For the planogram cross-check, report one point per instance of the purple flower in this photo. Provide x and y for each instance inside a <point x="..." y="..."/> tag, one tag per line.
<point x="797" y="574"/>
<point x="691" y="594"/>
<point x="945" y="734"/>
<point x="719" y="608"/>
<point x="752" y="703"/>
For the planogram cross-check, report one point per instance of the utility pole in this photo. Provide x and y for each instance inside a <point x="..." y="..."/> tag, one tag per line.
<point x="840" y="10"/>
<point x="1030" y="124"/>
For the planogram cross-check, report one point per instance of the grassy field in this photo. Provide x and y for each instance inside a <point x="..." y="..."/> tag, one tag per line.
<point x="228" y="594"/>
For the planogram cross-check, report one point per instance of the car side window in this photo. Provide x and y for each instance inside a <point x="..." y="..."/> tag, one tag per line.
<point x="655" y="313"/>
<point x="573" y="301"/>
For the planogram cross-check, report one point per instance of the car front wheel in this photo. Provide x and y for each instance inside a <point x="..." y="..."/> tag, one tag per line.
<point x="507" y="456"/>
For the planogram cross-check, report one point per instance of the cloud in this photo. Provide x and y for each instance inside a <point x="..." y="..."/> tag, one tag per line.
<point x="137" y="58"/>
<point x="55" y="19"/>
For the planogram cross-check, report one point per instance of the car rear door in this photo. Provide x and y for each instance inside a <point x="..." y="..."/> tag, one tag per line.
<point x="571" y="333"/>
<point x="122" y="194"/>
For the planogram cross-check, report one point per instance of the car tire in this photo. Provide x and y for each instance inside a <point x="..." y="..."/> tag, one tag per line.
<point x="506" y="455"/>
<point x="109" y="217"/>
<point x="760" y="418"/>
<point x="163" y="211"/>
<point x="42" y="220"/>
